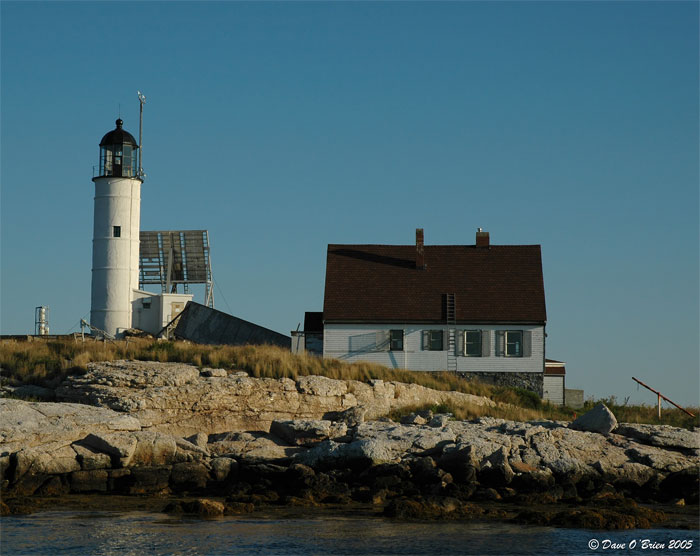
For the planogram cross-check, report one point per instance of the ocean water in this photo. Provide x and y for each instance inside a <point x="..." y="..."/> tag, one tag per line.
<point x="140" y="533"/>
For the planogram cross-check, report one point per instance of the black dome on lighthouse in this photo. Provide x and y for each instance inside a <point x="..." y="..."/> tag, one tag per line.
<point x="119" y="136"/>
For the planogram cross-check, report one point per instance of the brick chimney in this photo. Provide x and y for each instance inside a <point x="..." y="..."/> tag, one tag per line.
<point x="420" y="255"/>
<point x="482" y="239"/>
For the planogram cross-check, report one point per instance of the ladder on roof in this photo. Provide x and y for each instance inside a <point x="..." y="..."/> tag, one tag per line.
<point x="451" y="317"/>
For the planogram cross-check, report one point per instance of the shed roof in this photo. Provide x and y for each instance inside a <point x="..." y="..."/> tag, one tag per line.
<point x="380" y="283"/>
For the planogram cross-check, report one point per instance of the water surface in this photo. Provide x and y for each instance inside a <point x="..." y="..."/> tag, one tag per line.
<point x="137" y="533"/>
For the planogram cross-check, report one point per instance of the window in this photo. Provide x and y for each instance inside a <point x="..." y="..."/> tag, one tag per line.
<point x="146" y="302"/>
<point x="105" y="161"/>
<point x="396" y="340"/>
<point x="514" y="343"/>
<point x="472" y="343"/>
<point x="435" y="340"/>
<point x="116" y="231"/>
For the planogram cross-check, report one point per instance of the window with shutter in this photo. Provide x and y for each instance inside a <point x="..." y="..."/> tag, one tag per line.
<point x="472" y="343"/>
<point x="396" y="340"/>
<point x="434" y="340"/>
<point x="513" y="343"/>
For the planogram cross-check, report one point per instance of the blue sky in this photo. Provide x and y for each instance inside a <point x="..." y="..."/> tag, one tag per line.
<point x="282" y="127"/>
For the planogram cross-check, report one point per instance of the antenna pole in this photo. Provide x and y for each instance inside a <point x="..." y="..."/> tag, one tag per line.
<point x="142" y="101"/>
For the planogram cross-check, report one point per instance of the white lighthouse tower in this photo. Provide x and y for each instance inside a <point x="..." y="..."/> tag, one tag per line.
<point x="115" y="243"/>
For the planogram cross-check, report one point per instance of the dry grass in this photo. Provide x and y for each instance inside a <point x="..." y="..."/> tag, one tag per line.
<point x="47" y="363"/>
<point x="649" y="413"/>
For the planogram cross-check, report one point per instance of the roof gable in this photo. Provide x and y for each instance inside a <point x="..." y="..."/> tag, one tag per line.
<point x="380" y="283"/>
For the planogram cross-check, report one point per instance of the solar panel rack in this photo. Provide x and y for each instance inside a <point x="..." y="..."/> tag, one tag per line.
<point x="176" y="257"/>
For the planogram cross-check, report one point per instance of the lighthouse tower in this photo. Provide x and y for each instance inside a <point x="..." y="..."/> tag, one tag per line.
<point x="115" y="243"/>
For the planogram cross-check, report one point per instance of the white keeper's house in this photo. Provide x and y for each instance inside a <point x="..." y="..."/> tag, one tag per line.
<point x="478" y="310"/>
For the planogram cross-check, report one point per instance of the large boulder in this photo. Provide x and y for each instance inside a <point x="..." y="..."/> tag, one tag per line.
<point x="599" y="419"/>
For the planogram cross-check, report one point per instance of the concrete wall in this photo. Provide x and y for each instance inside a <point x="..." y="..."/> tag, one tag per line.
<point x="203" y="325"/>
<point x="146" y="311"/>
<point x="363" y="342"/>
<point x="573" y="398"/>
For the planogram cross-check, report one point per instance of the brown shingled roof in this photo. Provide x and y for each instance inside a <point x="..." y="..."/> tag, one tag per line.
<point x="380" y="283"/>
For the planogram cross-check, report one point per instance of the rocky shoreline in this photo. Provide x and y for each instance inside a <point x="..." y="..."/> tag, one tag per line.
<point x="327" y="453"/>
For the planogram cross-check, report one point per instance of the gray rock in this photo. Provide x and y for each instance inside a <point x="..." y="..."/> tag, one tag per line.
<point x="93" y="480"/>
<point x="153" y="448"/>
<point x="149" y="480"/>
<point x="200" y="439"/>
<point x="599" y="419"/>
<point x="4" y="466"/>
<point x="187" y="451"/>
<point x="351" y="417"/>
<point x="213" y="372"/>
<point x="90" y="459"/>
<point x="307" y="432"/>
<point x="118" y="444"/>
<point x="31" y="391"/>
<point x="204" y="507"/>
<point x="221" y="468"/>
<point x="440" y="421"/>
<point x="499" y="471"/>
<point x="367" y="450"/>
<point x="413" y="419"/>
<point x="178" y="399"/>
<point x="26" y="424"/>
<point x="50" y="459"/>
<point x="187" y="476"/>
<point x="662" y="436"/>
<point x="256" y="446"/>
<point x="321" y="386"/>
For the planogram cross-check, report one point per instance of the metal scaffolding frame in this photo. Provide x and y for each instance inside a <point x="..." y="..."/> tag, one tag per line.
<point x="172" y="257"/>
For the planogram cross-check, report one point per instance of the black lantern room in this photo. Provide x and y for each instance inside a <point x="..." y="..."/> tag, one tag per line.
<point x="118" y="153"/>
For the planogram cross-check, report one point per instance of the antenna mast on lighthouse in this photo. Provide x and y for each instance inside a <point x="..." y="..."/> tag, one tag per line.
<point x="142" y="101"/>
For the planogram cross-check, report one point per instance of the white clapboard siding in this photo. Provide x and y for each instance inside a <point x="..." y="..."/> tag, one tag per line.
<point x="370" y="342"/>
<point x="554" y="389"/>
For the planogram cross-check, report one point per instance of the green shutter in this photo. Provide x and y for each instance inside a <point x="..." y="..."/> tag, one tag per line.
<point x="500" y="343"/>
<point x="527" y="343"/>
<point x="485" y="343"/>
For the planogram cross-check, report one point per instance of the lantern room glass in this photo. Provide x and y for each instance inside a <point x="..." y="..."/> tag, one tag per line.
<point x="118" y="160"/>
